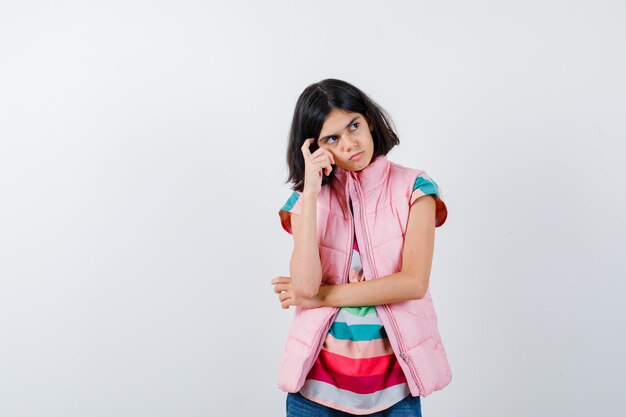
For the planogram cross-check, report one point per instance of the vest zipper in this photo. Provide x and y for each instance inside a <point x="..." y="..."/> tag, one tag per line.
<point x="369" y="256"/>
<point x="351" y="249"/>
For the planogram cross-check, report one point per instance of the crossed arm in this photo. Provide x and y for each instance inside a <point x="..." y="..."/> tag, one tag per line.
<point x="411" y="282"/>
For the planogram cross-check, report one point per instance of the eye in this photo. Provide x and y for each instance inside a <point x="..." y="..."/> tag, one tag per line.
<point x="355" y="125"/>
<point x="329" y="140"/>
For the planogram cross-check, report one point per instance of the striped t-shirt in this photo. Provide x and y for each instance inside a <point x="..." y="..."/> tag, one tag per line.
<point x="356" y="370"/>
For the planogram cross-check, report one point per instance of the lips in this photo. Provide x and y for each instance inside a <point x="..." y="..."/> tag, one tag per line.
<point x="356" y="155"/>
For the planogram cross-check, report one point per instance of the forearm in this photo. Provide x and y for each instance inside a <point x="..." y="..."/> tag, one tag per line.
<point x="384" y="290"/>
<point x="305" y="266"/>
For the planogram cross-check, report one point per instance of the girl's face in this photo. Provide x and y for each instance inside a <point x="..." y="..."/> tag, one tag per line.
<point x="349" y="138"/>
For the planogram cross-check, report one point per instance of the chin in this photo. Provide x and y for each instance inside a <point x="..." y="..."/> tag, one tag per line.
<point x="363" y="167"/>
<point x="369" y="161"/>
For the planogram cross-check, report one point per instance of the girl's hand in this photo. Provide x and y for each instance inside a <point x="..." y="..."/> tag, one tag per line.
<point x="314" y="163"/>
<point x="287" y="298"/>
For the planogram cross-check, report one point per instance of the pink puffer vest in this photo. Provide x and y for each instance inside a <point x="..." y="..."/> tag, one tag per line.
<point x="381" y="196"/>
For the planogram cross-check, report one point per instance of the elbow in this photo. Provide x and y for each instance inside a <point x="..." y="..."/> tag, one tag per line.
<point x="305" y="291"/>
<point x="305" y="279"/>
<point x="420" y="293"/>
<point x="419" y="288"/>
<point x="305" y="286"/>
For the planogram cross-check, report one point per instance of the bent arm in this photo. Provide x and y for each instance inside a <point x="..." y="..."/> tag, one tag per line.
<point x="410" y="283"/>
<point x="305" y="266"/>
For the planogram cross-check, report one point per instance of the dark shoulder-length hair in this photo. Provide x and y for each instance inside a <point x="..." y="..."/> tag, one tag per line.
<point x="312" y="108"/>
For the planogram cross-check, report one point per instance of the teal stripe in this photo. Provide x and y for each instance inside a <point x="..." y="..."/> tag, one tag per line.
<point x="291" y="202"/>
<point x="426" y="185"/>
<point x="357" y="332"/>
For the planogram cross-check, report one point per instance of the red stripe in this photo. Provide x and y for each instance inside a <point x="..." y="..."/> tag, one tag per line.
<point x="339" y="364"/>
<point x="358" y="384"/>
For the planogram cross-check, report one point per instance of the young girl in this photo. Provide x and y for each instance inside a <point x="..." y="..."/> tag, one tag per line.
<point x="365" y="338"/>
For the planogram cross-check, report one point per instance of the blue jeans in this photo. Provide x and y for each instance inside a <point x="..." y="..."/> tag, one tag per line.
<point x="298" y="406"/>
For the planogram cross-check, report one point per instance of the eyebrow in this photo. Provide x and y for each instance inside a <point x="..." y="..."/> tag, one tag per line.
<point x="347" y="126"/>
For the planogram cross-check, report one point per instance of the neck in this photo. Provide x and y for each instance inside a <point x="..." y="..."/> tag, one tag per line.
<point x="369" y="177"/>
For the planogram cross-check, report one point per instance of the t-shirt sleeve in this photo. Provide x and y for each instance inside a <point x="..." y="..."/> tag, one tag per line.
<point x="424" y="185"/>
<point x="292" y="205"/>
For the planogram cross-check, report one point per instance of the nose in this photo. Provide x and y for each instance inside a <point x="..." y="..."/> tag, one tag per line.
<point x="350" y="143"/>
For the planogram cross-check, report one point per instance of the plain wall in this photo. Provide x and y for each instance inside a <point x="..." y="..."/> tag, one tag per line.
<point x="142" y="166"/>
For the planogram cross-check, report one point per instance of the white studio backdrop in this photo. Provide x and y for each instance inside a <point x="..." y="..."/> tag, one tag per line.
<point x="142" y="165"/>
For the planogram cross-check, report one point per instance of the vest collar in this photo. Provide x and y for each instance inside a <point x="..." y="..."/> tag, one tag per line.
<point x="369" y="178"/>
